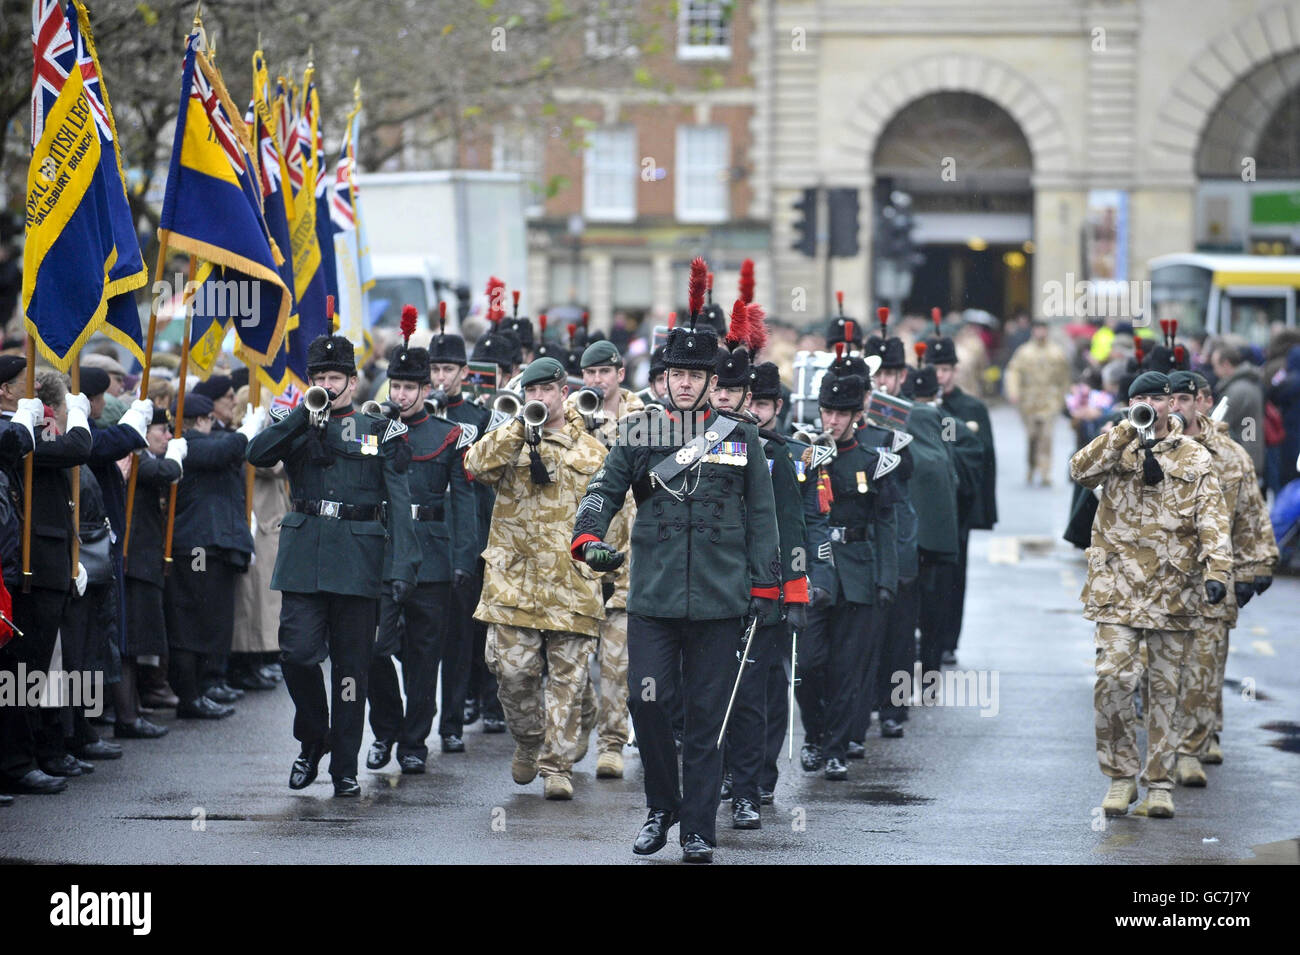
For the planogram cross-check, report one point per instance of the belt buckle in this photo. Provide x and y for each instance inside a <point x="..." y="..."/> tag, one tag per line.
<point x="330" y="509"/>
<point x="839" y="534"/>
<point x="415" y="512"/>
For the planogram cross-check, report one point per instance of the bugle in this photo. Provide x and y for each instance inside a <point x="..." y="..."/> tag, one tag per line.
<point x="317" y="400"/>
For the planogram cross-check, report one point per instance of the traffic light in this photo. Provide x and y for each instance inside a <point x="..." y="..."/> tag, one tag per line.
<point x="805" y="227"/>
<point x="843" y="222"/>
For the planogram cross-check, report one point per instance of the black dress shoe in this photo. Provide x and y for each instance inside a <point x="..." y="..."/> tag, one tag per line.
<point x="65" y="765"/>
<point x="949" y="659"/>
<point x="381" y="751"/>
<point x="99" y="749"/>
<point x="726" y="787"/>
<point x="856" y="751"/>
<point x="303" y="772"/>
<point x="203" y="708"/>
<point x="140" y="729"/>
<point x="252" y="680"/>
<point x="453" y="744"/>
<point x="810" y="757"/>
<point x="347" y="786"/>
<point x="493" y="724"/>
<point x="272" y="672"/>
<point x="695" y="849"/>
<point x="470" y="716"/>
<point x="223" y="693"/>
<point x="835" y="769"/>
<point x="6" y="799"/>
<point x="106" y="718"/>
<point x="157" y="700"/>
<point x="891" y="729"/>
<point x="34" y="783"/>
<point x="765" y="796"/>
<point x="654" y="832"/>
<point x="744" y="814"/>
<point x="411" y="765"/>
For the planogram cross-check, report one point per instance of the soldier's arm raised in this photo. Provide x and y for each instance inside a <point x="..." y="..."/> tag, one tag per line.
<point x="761" y="538"/>
<point x="280" y="440"/>
<point x="604" y="497"/>
<point x="1212" y="528"/>
<point x="496" y="451"/>
<point x="464" y="517"/>
<point x="216" y="452"/>
<point x="1091" y="464"/>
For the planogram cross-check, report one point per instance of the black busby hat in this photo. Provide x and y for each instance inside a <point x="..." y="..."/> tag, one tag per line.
<point x="893" y="354"/>
<point x="408" y="364"/>
<point x="573" y="362"/>
<point x="331" y="353"/>
<point x="766" y="381"/>
<point x="842" y="328"/>
<point x="444" y="348"/>
<point x="733" y="360"/>
<point x="923" y="382"/>
<point x="940" y="349"/>
<point x="841" y="392"/>
<point x="496" y="347"/>
<point x="733" y="368"/>
<point x="521" y="326"/>
<point x="692" y="347"/>
<point x="657" y="366"/>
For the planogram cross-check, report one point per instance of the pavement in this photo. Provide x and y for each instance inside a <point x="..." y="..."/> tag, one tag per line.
<point x="1019" y="785"/>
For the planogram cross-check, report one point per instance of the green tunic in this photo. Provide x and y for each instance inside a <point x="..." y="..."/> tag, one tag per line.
<point x="983" y="513"/>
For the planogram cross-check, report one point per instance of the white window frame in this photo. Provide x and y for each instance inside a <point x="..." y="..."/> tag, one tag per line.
<point x="618" y="19"/>
<point x="529" y="164"/>
<point x="685" y="170"/>
<point x="594" y="166"/>
<point x="706" y="10"/>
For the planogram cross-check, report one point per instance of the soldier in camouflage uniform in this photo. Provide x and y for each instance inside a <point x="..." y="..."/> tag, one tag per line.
<point x="1254" y="552"/>
<point x="1037" y="378"/>
<point x="540" y="605"/>
<point x="602" y="368"/>
<point x="1160" y="553"/>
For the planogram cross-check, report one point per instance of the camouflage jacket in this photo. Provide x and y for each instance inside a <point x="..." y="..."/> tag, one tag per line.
<point x="620" y="530"/>
<point x="529" y="579"/>
<point x="1254" y="551"/>
<point x="1038" y="376"/>
<point x="1152" y="547"/>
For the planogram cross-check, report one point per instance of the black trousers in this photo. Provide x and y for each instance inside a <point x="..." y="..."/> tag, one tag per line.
<point x="341" y="627"/>
<point x="898" y="654"/>
<point x="869" y="671"/>
<point x="480" y="684"/>
<point x="830" y="657"/>
<point x="747" y="730"/>
<point x="36" y="733"/>
<point x="457" y="649"/>
<point x="428" y="616"/>
<point x="672" y="661"/>
<point x="934" y="589"/>
<point x="955" y="605"/>
<point x="778" y="708"/>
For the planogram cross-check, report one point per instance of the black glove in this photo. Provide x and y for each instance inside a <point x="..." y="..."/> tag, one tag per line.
<point x="401" y="590"/>
<point x="1244" y="592"/>
<point x="797" y="615"/>
<point x="763" y="608"/>
<point x="819" y="599"/>
<point x="600" y="556"/>
<point x="1263" y="583"/>
<point x="1152" y="472"/>
<point x="1215" y="591"/>
<point x="462" y="580"/>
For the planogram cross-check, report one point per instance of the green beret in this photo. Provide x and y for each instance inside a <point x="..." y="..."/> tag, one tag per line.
<point x="1183" y="383"/>
<point x="1149" y="383"/>
<point x="601" y="353"/>
<point x="542" y="370"/>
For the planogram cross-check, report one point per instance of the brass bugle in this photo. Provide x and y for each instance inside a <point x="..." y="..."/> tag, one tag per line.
<point x="385" y="409"/>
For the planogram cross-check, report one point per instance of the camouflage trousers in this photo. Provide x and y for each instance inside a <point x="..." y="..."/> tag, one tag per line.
<point x="1200" y="700"/>
<point x="1119" y="671"/>
<point x="1038" y="440"/>
<point x="608" y="714"/>
<point x="541" y="712"/>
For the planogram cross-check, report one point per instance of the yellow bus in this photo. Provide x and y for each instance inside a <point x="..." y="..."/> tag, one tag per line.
<point x="1247" y="295"/>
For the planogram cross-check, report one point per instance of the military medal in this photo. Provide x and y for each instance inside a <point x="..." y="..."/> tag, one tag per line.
<point x="862" y="482"/>
<point x="800" y="469"/>
<point x="369" y="444"/>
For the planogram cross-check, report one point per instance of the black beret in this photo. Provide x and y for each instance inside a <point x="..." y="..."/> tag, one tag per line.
<point x="215" y="387"/>
<point x="1149" y="383"/>
<point x="196" y="405"/>
<point x="239" y="378"/>
<point x="161" y="416"/>
<point x="11" y="366"/>
<point x="1184" y="383"/>
<point x="94" y="382"/>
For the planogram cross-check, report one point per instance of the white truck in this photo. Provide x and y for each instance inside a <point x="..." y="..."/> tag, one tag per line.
<point x="434" y="231"/>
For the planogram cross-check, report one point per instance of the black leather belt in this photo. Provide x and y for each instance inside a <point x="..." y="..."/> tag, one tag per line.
<point x="338" y="511"/>
<point x="427" y="512"/>
<point x="849" y="535"/>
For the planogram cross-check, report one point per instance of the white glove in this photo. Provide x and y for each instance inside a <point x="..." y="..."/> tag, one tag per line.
<point x="253" y="422"/>
<point x="30" y="411"/>
<point x="138" y="417"/>
<point x="81" y="579"/>
<point x="177" y="448"/>
<point x="78" y="411"/>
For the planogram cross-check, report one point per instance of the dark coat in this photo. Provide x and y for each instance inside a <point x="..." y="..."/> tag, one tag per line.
<point x="905" y="519"/>
<point x="933" y="487"/>
<point x="52" y="524"/>
<point x="108" y="445"/>
<point x="862" y="501"/>
<point x="154" y="477"/>
<point x="468" y="412"/>
<point x="15" y="444"/>
<point x="983" y="513"/>
<point x="817" y="566"/>
<point x="210" y="498"/>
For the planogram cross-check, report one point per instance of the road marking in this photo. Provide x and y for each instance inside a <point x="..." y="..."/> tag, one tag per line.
<point x="1004" y="550"/>
<point x="1259" y="631"/>
<point x="1068" y="580"/>
<point x="1263" y="648"/>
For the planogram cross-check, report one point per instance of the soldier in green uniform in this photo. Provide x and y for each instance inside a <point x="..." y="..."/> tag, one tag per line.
<point x="982" y="512"/>
<point x="862" y="544"/>
<point x="343" y="474"/>
<point x="443" y="508"/>
<point x="704" y="555"/>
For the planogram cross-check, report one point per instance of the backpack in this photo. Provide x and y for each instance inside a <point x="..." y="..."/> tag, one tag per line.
<point x="1274" y="426"/>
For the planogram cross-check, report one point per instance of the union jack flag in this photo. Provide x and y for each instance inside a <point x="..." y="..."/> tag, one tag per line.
<point x="54" y="55"/>
<point x="94" y="90"/>
<point x="202" y="91"/>
<point x="288" y="399"/>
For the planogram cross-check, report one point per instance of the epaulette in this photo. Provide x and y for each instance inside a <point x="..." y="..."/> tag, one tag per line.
<point x="886" y="461"/>
<point x="395" y="430"/>
<point x="279" y="414"/>
<point x="497" y="420"/>
<point x="468" y="435"/>
<point x="901" y="440"/>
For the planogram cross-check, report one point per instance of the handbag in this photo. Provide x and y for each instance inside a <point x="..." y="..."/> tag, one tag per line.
<point x="95" y="554"/>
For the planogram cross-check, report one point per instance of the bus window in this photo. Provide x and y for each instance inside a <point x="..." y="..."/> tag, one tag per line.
<point x="1253" y="317"/>
<point x="1182" y="293"/>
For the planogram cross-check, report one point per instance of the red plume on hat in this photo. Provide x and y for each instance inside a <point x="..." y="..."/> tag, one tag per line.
<point x="708" y="288"/>
<point x="738" y="331"/>
<point x="747" y="281"/>
<point x="586" y="317"/>
<point x="882" y="313"/>
<point x="515" y="296"/>
<point x="920" y="349"/>
<point x="757" y="327"/>
<point x="541" y="324"/>
<point x="409" y="315"/>
<point x="572" y="328"/>
<point x="1180" y="356"/>
<point x="330" y="314"/>
<point x="936" y="316"/>
<point x="839" y="297"/>
<point x="496" y="290"/>
<point x="672" y="320"/>
<point x="442" y="318"/>
<point x="850" y="328"/>
<point x="699" y="270"/>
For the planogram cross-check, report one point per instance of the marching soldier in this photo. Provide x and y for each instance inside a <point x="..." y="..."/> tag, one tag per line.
<point x="862" y="543"/>
<point x="602" y="370"/>
<point x="982" y="513"/>
<point x="343" y="468"/>
<point x="1038" y="376"/>
<point x="656" y="391"/>
<point x="462" y="653"/>
<point x="704" y="554"/>
<point x="1148" y="584"/>
<point x="540" y="607"/>
<point x="1254" y="552"/>
<point x="443" y="509"/>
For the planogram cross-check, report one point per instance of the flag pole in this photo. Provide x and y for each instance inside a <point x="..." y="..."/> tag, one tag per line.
<point x="163" y="235"/>
<point x="27" y="472"/>
<point x="180" y="419"/>
<point x="76" y="481"/>
<point x="254" y="402"/>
